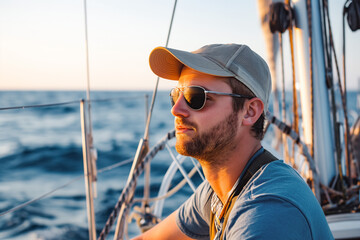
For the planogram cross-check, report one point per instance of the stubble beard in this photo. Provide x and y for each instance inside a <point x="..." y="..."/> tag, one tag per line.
<point x="209" y="146"/>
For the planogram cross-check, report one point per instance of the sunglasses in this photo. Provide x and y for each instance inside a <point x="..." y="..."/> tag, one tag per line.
<point x="195" y="96"/>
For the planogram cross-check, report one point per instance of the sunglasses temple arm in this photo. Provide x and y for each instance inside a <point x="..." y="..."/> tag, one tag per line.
<point x="228" y="94"/>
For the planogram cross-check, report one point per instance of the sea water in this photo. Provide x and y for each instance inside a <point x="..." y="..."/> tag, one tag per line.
<point x="41" y="149"/>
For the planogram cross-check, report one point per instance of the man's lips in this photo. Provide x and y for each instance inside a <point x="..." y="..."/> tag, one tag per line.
<point x="183" y="129"/>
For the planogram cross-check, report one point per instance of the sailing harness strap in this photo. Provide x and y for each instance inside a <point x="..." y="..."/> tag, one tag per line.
<point x="217" y="223"/>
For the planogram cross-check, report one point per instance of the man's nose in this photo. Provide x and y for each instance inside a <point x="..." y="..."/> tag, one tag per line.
<point x="180" y="107"/>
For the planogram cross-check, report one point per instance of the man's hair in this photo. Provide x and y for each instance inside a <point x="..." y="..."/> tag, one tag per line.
<point x="238" y="103"/>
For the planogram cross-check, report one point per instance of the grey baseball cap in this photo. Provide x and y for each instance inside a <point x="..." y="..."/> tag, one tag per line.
<point x="223" y="60"/>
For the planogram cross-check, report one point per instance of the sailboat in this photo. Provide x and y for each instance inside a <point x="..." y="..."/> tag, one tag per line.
<point x="316" y="140"/>
<point x="317" y="150"/>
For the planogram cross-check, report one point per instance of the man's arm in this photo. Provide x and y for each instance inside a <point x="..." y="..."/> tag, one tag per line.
<point x="166" y="229"/>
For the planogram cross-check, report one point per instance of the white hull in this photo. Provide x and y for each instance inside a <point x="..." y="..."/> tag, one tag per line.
<point x="345" y="226"/>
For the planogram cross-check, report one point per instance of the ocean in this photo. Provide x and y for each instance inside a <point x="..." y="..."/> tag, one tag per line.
<point x="41" y="149"/>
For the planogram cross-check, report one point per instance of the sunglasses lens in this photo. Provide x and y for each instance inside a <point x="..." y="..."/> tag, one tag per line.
<point x="174" y="96"/>
<point x="195" y="97"/>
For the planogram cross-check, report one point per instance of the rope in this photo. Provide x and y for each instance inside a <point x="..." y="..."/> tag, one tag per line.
<point x="295" y="101"/>
<point x="283" y="100"/>
<point x="330" y="85"/>
<point x="326" y="19"/>
<point x="309" y="14"/>
<point x="108" y="168"/>
<point x="343" y="98"/>
<point x="123" y="199"/>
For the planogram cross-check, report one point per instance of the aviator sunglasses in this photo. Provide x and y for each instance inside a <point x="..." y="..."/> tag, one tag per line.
<point x="195" y="96"/>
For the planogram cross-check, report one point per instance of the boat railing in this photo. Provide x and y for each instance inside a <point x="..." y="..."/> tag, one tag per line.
<point x="126" y="200"/>
<point x="89" y="173"/>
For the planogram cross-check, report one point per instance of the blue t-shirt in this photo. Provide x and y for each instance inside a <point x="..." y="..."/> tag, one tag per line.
<point x="276" y="203"/>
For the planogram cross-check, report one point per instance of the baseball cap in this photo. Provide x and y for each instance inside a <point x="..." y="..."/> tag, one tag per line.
<point x="223" y="60"/>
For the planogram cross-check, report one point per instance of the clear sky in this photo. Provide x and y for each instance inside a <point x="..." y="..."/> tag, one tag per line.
<point x="42" y="42"/>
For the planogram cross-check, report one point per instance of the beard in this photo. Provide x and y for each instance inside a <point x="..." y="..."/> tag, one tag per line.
<point x="209" y="145"/>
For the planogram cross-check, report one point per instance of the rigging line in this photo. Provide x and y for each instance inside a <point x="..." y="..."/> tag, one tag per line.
<point x="283" y="102"/>
<point x="328" y="37"/>
<point x="343" y="98"/>
<point x="344" y="78"/>
<point x="309" y="14"/>
<point x="40" y="197"/>
<point x="131" y="184"/>
<point x="295" y="101"/>
<point x="171" y="192"/>
<point x="65" y="103"/>
<point x="149" y="115"/>
<point x="40" y="105"/>
<point x="330" y="85"/>
<point x="119" y="164"/>
<point x="63" y="186"/>
<point x="146" y="134"/>
<point x="87" y="52"/>
<point x="88" y="80"/>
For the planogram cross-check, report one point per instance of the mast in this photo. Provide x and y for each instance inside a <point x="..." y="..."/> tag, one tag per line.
<point x="322" y="134"/>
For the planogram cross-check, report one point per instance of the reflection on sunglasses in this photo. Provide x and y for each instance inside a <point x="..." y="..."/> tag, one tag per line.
<point x="195" y="96"/>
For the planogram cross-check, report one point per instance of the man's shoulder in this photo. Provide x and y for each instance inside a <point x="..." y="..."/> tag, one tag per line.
<point x="278" y="180"/>
<point x="277" y="197"/>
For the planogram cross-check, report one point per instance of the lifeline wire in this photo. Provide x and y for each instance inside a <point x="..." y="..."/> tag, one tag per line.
<point x="64" y="103"/>
<point x="39" y="105"/>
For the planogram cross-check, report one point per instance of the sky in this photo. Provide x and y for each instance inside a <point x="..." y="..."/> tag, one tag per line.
<point x="43" y="47"/>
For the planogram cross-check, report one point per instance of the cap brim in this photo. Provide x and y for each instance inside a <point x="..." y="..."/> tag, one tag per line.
<point x="167" y="63"/>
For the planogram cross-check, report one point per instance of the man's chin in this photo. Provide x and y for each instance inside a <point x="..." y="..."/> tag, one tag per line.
<point x="181" y="149"/>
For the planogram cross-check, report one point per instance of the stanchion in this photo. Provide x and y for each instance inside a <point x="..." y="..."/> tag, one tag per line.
<point x="88" y="175"/>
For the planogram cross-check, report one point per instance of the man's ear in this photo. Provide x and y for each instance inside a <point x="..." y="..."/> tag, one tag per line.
<point x="253" y="109"/>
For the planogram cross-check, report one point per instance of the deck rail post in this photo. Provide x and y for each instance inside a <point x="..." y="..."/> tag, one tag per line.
<point x="88" y="174"/>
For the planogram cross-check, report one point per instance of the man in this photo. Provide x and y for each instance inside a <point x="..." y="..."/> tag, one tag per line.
<point x="219" y="104"/>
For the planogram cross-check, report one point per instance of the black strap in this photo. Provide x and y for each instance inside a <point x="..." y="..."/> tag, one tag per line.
<point x="264" y="158"/>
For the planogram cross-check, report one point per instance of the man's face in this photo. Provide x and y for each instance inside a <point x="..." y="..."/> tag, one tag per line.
<point x="206" y="133"/>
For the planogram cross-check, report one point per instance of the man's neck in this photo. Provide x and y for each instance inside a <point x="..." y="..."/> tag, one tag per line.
<point x="222" y="177"/>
